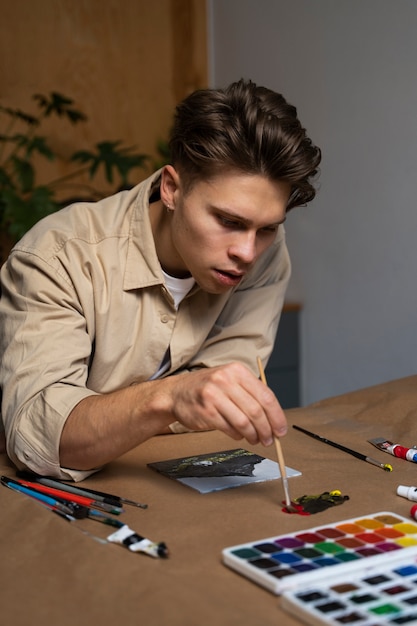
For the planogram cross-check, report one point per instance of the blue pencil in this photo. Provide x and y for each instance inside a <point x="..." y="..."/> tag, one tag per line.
<point x="55" y="505"/>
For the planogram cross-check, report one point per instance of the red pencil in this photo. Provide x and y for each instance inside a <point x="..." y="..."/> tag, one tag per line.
<point x="69" y="497"/>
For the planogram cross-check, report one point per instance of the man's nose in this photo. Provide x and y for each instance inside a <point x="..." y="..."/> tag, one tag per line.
<point x="244" y="247"/>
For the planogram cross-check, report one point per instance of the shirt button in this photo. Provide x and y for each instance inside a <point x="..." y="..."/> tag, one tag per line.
<point x="164" y="319"/>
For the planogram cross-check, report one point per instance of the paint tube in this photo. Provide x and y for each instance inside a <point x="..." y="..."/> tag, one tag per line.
<point x="135" y="543"/>
<point x="407" y="492"/>
<point x="408" y="454"/>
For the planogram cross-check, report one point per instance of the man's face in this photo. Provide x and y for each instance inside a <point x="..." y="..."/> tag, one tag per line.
<point x="221" y="227"/>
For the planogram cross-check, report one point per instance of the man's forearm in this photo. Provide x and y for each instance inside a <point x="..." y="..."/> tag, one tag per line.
<point x="229" y="398"/>
<point x="103" y="427"/>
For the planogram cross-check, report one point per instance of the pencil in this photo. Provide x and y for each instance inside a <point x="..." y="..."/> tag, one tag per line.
<point x="53" y="504"/>
<point x="99" y="496"/>
<point x="64" y="495"/>
<point x="278" y="447"/>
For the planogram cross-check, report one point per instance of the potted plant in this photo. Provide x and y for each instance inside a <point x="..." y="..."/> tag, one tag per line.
<point x="23" y="200"/>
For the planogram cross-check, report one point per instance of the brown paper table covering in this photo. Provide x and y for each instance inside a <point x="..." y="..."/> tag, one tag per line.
<point x="50" y="572"/>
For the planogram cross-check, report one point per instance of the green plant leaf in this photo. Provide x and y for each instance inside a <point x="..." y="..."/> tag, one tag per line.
<point x="5" y="179"/>
<point x="59" y="105"/>
<point x="24" y="173"/>
<point x="21" y="115"/>
<point x="19" y="214"/>
<point x="22" y="201"/>
<point x="39" y="144"/>
<point x="111" y="157"/>
<point x="32" y="144"/>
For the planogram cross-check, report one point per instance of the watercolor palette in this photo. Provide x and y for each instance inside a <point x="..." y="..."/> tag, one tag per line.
<point x="377" y="596"/>
<point x="287" y="562"/>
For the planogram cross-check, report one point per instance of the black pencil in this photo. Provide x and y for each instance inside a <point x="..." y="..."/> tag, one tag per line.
<point x="106" y="498"/>
<point x="358" y="455"/>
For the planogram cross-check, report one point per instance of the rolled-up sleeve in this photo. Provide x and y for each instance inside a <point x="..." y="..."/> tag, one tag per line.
<point x="80" y="297"/>
<point x="45" y="351"/>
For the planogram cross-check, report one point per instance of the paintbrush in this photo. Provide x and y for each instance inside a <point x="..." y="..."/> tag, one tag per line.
<point x="278" y="448"/>
<point x="385" y="466"/>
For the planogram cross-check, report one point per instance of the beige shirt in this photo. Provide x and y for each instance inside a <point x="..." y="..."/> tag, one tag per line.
<point x="84" y="310"/>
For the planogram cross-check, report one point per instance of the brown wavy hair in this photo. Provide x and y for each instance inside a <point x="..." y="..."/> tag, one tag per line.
<point x="245" y="128"/>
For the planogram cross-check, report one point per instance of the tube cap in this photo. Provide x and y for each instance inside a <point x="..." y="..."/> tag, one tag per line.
<point x="402" y="490"/>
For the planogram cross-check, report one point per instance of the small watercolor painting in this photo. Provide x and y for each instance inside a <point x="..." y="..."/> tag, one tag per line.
<point x="221" y="470"/>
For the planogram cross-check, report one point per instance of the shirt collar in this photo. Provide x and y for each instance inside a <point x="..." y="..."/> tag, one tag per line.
<point x="142" y="264"/>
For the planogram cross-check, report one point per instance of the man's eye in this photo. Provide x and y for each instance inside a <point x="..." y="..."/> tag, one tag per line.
<point x="225" y="221"/>
<point x="270" y="229"/>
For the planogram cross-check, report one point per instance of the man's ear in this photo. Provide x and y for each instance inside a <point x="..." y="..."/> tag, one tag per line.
<point x="170" y="183"/>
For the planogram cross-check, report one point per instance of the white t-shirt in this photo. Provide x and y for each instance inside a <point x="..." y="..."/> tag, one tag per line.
<point x="178" y="288"/>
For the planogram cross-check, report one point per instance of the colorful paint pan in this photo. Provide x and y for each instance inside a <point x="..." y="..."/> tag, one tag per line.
<point x="378" y="595"/>
<point x="306" y="557"/>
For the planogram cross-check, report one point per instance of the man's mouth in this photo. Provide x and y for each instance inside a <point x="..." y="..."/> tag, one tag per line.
<point x="230" y="279"/>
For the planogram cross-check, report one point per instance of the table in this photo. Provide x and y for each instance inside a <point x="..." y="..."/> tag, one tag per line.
<point x="50" y="572"/>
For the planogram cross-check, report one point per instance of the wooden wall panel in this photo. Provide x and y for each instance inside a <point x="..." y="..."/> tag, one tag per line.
<point x="124" y="62"/>
<point x="189" y="46"/>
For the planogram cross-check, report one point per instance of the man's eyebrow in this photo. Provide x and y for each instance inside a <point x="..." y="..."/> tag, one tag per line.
<point x="244" y="220"/>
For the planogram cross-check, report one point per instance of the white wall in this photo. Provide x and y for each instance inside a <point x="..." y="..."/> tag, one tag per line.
<point x="350" y="67"/>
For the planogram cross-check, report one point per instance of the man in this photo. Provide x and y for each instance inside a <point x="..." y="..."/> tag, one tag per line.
<point x="144" y="313"/>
